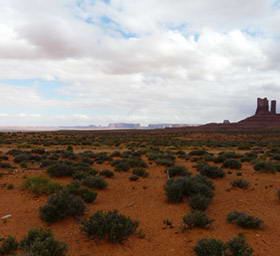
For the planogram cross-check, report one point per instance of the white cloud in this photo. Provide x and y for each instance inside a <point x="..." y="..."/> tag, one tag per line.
<point x="190" y="62"/>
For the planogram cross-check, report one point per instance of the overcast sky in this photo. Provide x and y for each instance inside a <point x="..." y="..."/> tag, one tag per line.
<point x="80" y="62"/>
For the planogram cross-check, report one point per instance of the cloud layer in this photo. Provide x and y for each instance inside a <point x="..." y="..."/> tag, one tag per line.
<point x="136" y="61"/>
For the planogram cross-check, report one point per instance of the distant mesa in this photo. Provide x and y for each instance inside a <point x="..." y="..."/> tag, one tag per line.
<point x="264" y="117"/>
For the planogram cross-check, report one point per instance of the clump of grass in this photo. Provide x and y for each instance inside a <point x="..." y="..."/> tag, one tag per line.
<point x="40" y="185"/>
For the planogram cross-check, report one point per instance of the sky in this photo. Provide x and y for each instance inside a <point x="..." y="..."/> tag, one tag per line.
<point x="82" y="62"/>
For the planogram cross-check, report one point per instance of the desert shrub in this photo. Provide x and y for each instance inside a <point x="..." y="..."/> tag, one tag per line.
<point x="197" y="219"/>
<point x="42" y="243"/>
<point x="278" y="193"/>
<point x="41" y="185"/>
<point x="106" y="173"/>
<point x="6" y="165"/>
<point x="243" y="220"/>
<point x="87" y="195"/>
<point x="22" y="158"/>
<point x="111" y="226"/>
<point x="101" y="157"/>
<point x="265" y="166"/>
<point x="240" y="183"/>
<point x="237" y="246"/>
<point x="8" y="245"/>
<point x="79" y="175"/>
<point x="60" y="169"/>
<point x="95" y="182"/>
<point x="39" y="151"/>
<point x="199" y="202"/>
<point x="176" y="189"/>
<point x="199" y="152"/>
<point x="178" y="170"/>
<point x="232" y="164"/>
<point x="120" y="165"/>
<point x="140" y="172"/>
<point x="249" y="157"/>
<point x="209" y="247"/>
<point x="75" y="189"/>
<point x="165" y="161"/>
<point x="211" y="171"/>
<point x="134" y="178"/>
<point x="61" y="205"/>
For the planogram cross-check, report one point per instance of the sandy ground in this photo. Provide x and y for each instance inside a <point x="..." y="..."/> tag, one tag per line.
<point x="145" y="201"/>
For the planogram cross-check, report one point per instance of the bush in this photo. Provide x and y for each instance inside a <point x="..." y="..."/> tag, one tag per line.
<point x="199" y="202"/>
<point x="240" y="183"/>
<point x="211" y="171"/>
<point x="111" y="226"/>
<point x="60" y="169"/>
<point x="95" y="182"/>
<point x="199" y="152"/>
<point x="243" y="220"/>
<point x="176" y="189"/>
<point x="237" y="246"/>
<point x="232" y="164"/>
<point x="42" y="243"/>
<point x="178" y="170"/>
<point x="134" y="178"/>
<point x="197" y="219"/>
<point x="140" y="172"/>
<point x="87" y="195"/>
<point x="107" y="173"/>
<point x="8" y="245"/>
<point x="209" y="247"/>
<point x="40" y="185"/>
<point x="265" y="166"/>
<point x="60" y="206"/>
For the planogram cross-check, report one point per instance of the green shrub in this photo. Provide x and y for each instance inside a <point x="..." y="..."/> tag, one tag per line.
<point x="106" y="173"/>
<point x="265" y="166"/>
<point x="232" y="164"/>
<point x="8" y="245"/>
<point x="61" y="205"/>
<point x="209" y="247"/>
<point x="140" y="172"/>
<point x="87" y="195"/>
<point x="197" y="219"/>
<point x="178" y="170"/>
<point x="41" y="185"/>
<point x="95" y="182"/>
<point x="211" y="171"/>
<point x="199" y="202"/>
<point x="199" y="152"/>
<point x="174" y="190"/>
<point x="237" y="246"/>
<point x="39" y="242"/>
<point x="134" y="178"/>
<point x="240" y="183"/>
<point x="243" y="220"/>
<point x="278" y="194"/>
<point x="111" y="226"/>
<point x="60" y="169"/>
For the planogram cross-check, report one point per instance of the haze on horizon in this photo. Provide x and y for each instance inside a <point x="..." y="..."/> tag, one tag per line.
<point x="81" y="62"/>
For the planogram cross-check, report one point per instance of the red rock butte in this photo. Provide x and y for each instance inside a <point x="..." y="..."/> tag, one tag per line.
<point x="264" y="117"/>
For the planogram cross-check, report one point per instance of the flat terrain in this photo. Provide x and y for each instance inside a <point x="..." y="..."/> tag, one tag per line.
<point x="145" y="199"/>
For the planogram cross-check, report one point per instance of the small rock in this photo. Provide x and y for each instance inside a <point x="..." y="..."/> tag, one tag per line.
<point x="8" y="216"/>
